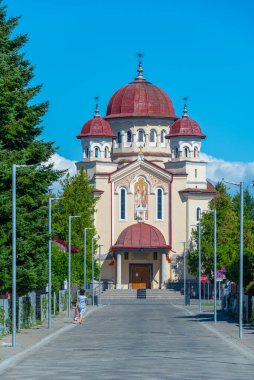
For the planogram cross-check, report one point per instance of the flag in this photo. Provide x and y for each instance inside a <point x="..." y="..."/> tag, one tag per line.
<point x="168" y="259"/>
<point x="112" y="262"/>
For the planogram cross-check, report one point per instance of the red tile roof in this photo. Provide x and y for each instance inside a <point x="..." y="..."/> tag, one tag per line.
<point x="140" y="235"/>
<point x="96" y="127"/>
<point x="210" y="189"/>
<point x="140" y="98"/>
<point x="185" y="127"/>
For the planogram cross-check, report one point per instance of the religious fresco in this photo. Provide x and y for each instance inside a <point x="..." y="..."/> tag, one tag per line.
<point x="141" y="199"/>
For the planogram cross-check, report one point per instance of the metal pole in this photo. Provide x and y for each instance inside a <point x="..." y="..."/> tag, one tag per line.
<point x="14" y="255"/>
<point x="208" y="291"/>
<point x="49" y="265"/>
<point x="199" y="264"/>
<point x="184" y="272"/>
<point x="99" y="275"/>
<point x="85" y="260"/>
<point x="241" y="265"/>
<point x="215" y="265"/>
<point x="69" y="268"/>
<point x="93" y="271"/>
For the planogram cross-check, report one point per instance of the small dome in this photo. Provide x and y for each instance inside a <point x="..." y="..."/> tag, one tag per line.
<point x="140" y="98"/>
<point x="185" y="127"/>
<point x="96" y="127"/>
<point x="140" y="235"/>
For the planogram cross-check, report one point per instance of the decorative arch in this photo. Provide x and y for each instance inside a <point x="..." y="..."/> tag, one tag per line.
<point x="141" y="136"/>
<point x="186" y="151"/>
<point x="195" y="151"/>
<point x="97" y="152"/>
<point x="163" y="135"/>
<point x="152" y="136"/>
<point x="141" y="191"/>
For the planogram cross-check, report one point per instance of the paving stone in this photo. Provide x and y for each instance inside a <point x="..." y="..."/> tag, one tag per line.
<point x="140" y="341"/>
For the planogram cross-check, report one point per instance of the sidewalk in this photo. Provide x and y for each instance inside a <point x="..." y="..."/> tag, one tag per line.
<point x="29" y="340"/>
<point x="227" y="329"/>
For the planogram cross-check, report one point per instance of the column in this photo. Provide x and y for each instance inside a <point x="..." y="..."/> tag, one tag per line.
<point x="163" y="270"/>
<point x="118" y="271"/>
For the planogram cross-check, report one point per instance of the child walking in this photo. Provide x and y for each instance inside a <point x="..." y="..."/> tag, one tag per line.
<point x="81" y="305"/>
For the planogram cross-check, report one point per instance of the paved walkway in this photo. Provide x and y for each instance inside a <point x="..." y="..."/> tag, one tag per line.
<point x="138" y="342"/>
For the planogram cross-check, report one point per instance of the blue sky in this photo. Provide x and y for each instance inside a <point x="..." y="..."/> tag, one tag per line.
<point x="202" y="49"/>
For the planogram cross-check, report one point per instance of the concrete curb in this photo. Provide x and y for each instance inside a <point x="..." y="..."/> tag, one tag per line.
<point x="233" y="342"/>
<point x="12" y="361"/>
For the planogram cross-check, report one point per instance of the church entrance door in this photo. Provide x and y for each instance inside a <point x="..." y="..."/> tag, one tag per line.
<point x="140" y="276"/>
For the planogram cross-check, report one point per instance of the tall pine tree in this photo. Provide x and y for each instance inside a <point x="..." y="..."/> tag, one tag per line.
<point x="20" y="143"/>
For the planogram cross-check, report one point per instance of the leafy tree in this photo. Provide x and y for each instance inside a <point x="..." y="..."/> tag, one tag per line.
<point x="228" y="236"/>
<point x="20" y="143"/>
<point x="77" y="199"/>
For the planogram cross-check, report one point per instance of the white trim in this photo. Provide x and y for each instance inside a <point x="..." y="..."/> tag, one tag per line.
<point x="119" y="204"/>
<point x="162" y="205"/>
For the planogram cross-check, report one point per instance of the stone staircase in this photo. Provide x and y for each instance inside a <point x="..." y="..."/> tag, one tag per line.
<point x="148" y="296"/>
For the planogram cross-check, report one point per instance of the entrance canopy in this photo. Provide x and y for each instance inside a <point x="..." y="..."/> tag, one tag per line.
<point x="141" y="236"/>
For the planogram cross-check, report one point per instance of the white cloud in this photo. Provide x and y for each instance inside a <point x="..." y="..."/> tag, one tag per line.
<point x="233" y="171"/>
<point x="217" y="168"/>
<point x="61" y="163"/>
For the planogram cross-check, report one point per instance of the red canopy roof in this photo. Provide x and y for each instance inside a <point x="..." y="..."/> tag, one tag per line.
<point x="65" y="245"/>
<point x="96" y="127"/>
<point x="141" y="235"/>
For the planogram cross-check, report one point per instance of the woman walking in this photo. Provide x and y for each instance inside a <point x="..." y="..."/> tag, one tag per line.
<point x="81" y="305"/>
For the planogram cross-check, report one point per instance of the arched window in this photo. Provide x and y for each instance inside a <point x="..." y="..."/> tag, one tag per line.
<point x="87" y="153"/>
<point x="96" y="152"/>
<point x="163" y="134"/>
<point x="122" y="203"/>
<point x="159" y="204"/>
<point x="186" y="152"/>
<point x="129" y="136"/>
<point x="106" y="152"/>
<point x="195" y="152"/>
<point x="152" y="137"/>
<point x="141" y="135"/>
<point x="119" y="137"/>
<point x="176" y="152"/>
<point x="198" y="214"/>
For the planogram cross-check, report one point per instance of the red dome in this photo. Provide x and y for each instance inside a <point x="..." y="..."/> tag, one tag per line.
<point x="96" y="127"/>
<point x="140" y="235"/>
<point x="185" y="127"/>
<point x="140" y="98"/>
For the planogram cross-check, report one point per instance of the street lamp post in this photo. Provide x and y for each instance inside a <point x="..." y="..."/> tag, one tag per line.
<point x="14" y="251"/>
<point x="241" y="185"/>
<point x="93" y="270"/>
<point x="99" y="301"/>
<point x="184" y="272"/>
<point x="85" y="229"/>
<point x="199" y="264"/>
<point x="69" y="263"/>
<point x="49" y="260"/>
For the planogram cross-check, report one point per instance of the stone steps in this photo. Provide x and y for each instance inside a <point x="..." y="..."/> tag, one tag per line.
<point x="151" y="296"/>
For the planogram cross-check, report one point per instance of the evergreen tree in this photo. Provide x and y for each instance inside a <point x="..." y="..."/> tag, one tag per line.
<point x="77" y="199"/>
<point x="20" y="143"/>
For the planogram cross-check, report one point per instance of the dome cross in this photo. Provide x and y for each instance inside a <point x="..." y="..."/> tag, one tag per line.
<point x="140" y="67"/>
<point x="96" y="111"/>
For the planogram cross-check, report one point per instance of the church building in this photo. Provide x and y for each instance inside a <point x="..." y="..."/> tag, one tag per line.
<point x="144" y="163"/>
